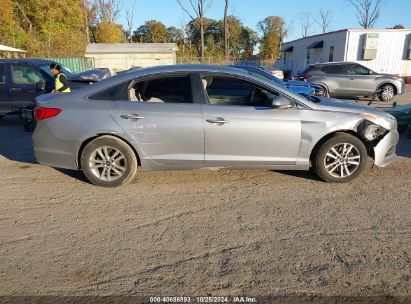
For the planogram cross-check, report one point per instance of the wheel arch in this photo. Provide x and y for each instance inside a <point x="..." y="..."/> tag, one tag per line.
<point x="90" y="139"/>
<point x="390" y="83"/>
<point x="368" y="145"/>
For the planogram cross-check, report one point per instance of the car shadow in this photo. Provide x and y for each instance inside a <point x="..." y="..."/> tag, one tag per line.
<point x="404" y="145"/>
<point x="310" y="175"/>
<point x="15" y="142"/>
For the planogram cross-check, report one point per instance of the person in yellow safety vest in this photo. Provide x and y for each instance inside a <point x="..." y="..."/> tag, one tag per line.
<point x="60" y="80"/>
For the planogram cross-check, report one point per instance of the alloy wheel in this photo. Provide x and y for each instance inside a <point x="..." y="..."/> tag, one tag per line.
<point x="107" y="163"/>
<point x="388" y="92"/>
<point x="342" y="160"/>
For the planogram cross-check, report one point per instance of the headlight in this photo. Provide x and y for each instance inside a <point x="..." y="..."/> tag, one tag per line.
<point x="370" y="128"/>
<point x="372" y="132"/>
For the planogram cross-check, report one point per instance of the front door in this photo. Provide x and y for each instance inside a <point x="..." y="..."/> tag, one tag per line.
<point x="164" y="120"/>
<point x="24" y="85"/>
<point x="242" y="129"/>
<point x="360" y="81"/>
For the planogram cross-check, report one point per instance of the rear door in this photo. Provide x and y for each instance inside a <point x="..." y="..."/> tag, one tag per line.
<point x="335" y="79"/>
<point x="24" y="84"/>
<point x="360" y="80"/>
<point x="164" y="119"/>
<point x="243" y="130"/>
<point x="5" y="94"/>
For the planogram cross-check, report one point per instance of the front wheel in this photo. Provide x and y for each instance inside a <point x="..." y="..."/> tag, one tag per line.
<point x="108" y="162"/>
<point x="340" y="159"/>
<point x="387" y="92"/>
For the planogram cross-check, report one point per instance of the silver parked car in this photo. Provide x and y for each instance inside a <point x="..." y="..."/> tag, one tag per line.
<point x="198" y="116"/>
<point x="350" y="79"/>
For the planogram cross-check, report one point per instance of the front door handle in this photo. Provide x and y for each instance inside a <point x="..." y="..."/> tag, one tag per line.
<point x="132" y="116"/>
<point x="218" y="120"/>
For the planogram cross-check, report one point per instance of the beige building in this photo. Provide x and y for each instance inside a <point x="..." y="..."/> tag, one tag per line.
<point x="123" y="56"/>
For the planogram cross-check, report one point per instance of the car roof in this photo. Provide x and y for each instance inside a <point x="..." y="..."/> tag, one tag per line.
<point x="33" y="61"/>
<point x="332" y="63"/>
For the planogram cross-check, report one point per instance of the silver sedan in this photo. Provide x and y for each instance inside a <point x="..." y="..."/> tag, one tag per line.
<point x="197" y="117"/>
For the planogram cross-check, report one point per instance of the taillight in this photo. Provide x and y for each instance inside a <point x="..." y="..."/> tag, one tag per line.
<point x="43" y="113"/>
<point x="306" y="75"/>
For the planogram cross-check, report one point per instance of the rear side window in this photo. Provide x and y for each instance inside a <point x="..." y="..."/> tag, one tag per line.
<point x="3" y="74"/>
<point x="312" y="68"/>
<point x="174" y="89"/>
<point x="117" y="92"/>
<point x="23" y="74"/>
<point x="333" y="69"/>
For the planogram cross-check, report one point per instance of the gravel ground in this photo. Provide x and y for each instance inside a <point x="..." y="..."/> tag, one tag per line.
<point x="201" y="232"/>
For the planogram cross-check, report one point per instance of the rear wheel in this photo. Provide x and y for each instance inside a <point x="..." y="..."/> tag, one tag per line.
<point x="387" y="92"/>
<point x="108" y="162"/>
<point x="340" y="159"/>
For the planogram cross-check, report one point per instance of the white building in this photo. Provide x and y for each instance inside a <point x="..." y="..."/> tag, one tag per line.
<point x="122" y="56"/>
<point x="382" y="50"/>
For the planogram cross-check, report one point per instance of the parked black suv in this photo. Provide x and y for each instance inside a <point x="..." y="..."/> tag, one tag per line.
<point x="350" y="79"/>
<point x="22" y="80"/>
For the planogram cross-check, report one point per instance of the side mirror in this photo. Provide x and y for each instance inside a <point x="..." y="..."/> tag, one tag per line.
<point x="281" y="102"/>
<point x="41" y="85"/>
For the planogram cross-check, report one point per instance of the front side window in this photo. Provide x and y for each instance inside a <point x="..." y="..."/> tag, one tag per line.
<point x="46" y="69"/>
<point x="23" y="74"/>
<point x="227" y="91"/>
<point x="3" y="73"/>
<point x="333" y="69"/>
<point x="173" y="89"/>
<point x="356" y="69"/>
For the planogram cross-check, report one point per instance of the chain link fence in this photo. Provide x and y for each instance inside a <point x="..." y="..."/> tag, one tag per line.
<point x="267" y="63"/>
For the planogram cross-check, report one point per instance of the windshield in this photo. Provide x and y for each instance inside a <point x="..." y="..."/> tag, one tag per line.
<point x="64" y="70"/>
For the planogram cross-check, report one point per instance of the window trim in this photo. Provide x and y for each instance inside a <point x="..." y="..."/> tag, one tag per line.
<point x="162" y="75"/>
<point x="246" y="79"/>
<point x="33" y="67"/>
<point x="6" y="71"/>
<point x="132" y="80"/>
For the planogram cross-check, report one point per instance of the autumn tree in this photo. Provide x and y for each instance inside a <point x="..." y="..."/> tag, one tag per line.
<point x="11" y="30"/>
<point x="109" y="32"/>
<point x="249" y="40"/>
<point x="57" y="27"/>
<point x="153" y="31"/>
<point x="273" y="29"/>
<point x="196" y="10"/>
<point x="103" y="21"/>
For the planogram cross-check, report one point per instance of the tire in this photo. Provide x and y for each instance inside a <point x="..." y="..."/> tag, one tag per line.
<point x="402" y="128"/>
<point x="329" y="168"/>
<point x="108" y="171"/>
<point x="388" y="92"/>
<point x="30" y="126"/>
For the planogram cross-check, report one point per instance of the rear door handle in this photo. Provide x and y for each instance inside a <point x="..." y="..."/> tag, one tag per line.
<point x="218" y="120"/>
<point x="15" y="89"/>
<point x="132" y="116"/>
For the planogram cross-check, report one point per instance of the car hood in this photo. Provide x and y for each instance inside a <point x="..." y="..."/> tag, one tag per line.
<point x="299" y="83"/>
<point x="350" y="106"/>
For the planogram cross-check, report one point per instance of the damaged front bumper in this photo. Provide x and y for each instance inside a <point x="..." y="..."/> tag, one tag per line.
<point x="384" y="150"/>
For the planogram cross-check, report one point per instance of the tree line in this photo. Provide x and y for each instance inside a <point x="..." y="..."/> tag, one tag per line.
<point x="63" y="28"/>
